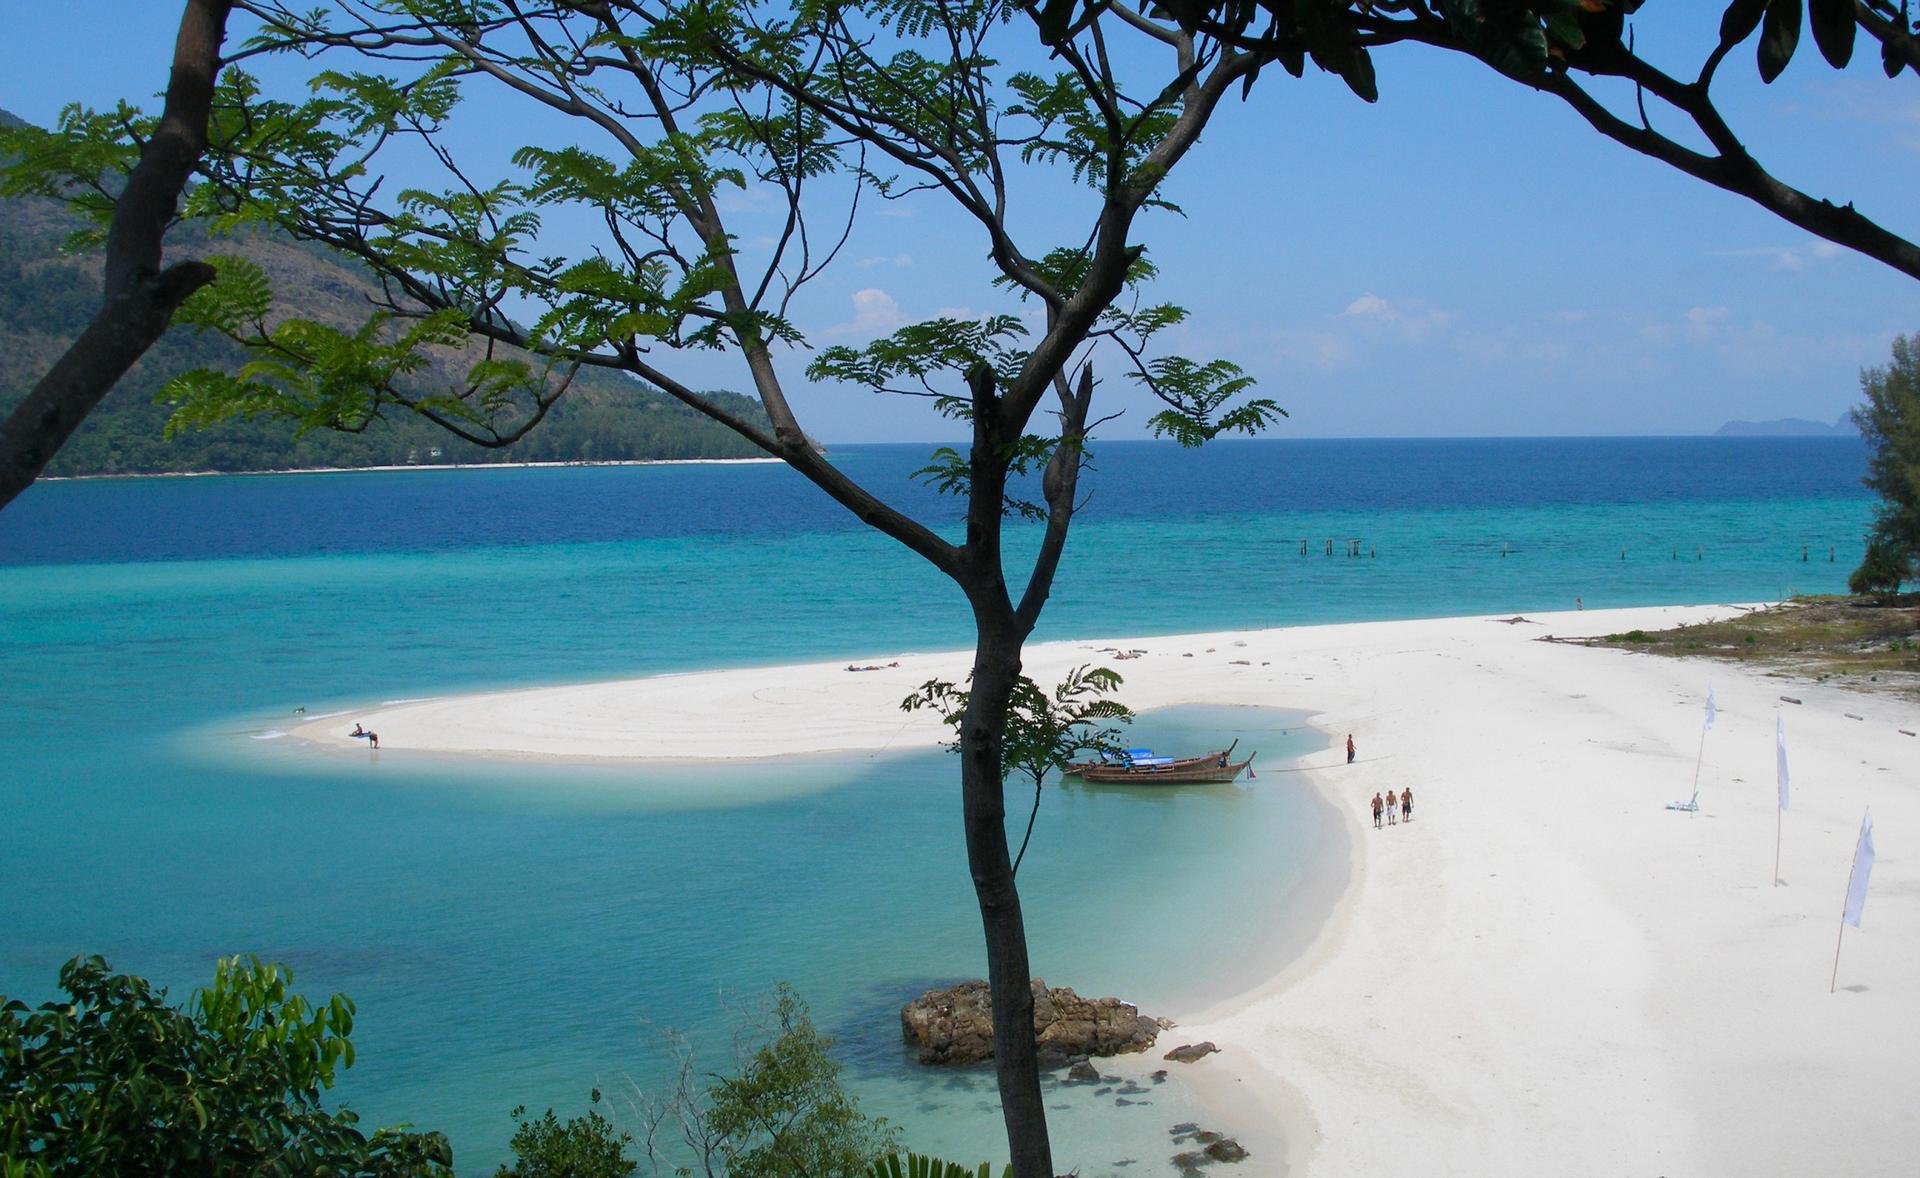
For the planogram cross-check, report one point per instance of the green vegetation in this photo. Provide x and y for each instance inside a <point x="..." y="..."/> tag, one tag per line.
<point x="782" y="1115"/>
<point x="1044" y="731"/>
<point x="584" y="1147"/>
<point x="115" y="1081"/>
<point x="1890" y="423"/>
<point x="1872" y="645"/>
<point x="913" y="1165"/>
<point x="47" y="296"/>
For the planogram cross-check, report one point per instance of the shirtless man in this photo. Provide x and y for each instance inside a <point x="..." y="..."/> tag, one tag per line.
<point x="1406" y="804"/>
<point x="1393" y="811"/>
<point x="1376" y="811"/>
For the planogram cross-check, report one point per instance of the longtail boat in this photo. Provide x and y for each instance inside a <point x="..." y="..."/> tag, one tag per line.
<point x="1145" y="759"/>
<point x="1217" y="771"/>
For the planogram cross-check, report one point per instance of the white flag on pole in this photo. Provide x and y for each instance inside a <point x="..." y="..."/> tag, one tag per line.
<point x="1780" y="754"/>
<point x="1710" y="711"/>
<point x="1862" y="868"/>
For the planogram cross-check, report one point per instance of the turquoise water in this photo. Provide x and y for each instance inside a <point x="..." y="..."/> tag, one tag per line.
<point x="512" y="933"/>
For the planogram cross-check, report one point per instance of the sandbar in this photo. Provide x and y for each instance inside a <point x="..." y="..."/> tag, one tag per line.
<point x="1547" y="971"/>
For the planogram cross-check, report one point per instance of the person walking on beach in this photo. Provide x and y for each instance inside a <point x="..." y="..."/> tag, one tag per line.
<point x="1406" y="804"/>
<point x="1376" y="811"/>
<point x="1349" y="748"/>
<point x="1392" y="810"/>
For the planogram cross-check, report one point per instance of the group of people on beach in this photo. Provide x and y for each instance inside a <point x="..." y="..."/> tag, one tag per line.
<point x="1403" y="803"/>
<point x="1394" y="809"/>
<point x="367" y="734"/>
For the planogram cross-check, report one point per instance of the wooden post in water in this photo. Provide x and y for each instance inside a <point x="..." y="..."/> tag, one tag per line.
<point x="1803" y="554"/>
<point x="1699" y="553"/>
<point x="1329" y="545"/>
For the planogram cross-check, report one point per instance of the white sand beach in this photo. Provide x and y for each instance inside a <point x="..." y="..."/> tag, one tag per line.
<point x="1546" y="972"/>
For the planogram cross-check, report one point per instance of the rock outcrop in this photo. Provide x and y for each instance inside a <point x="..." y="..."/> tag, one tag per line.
<point x="955" y="1026"/>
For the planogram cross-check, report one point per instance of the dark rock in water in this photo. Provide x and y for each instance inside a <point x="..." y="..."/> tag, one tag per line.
<point x="1083" y="1072"/>
<point x="1184" y="1127"/>
<point x="1227" y="1150"/>
<point x="1188" y="1052"/>
<point x="1191" y="1161"/>
<point x="1160" y="1076"/>
<point x="1207" y="1136"/>
<point x="955" y="1026"/>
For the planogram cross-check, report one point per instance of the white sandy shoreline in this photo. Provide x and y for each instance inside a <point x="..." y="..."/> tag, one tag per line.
<point x="1546" y="972"/>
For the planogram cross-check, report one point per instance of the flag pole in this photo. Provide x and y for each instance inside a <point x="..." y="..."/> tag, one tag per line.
<point x="1702" y="756"/>
<point x="1777" y="812"/>
<point x="1835" y="979"/>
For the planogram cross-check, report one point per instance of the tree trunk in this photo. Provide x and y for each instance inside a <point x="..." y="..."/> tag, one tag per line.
<point x="140" y="298"/>
<point x="996" y="667"/>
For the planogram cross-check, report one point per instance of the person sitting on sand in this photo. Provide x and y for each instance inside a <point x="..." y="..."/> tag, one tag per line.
<point x="1406" y="804"/>
<point x="357" y="730"/>
<point x="1376" y="811"/>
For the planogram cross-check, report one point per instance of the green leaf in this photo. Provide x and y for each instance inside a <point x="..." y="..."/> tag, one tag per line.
<point x="1359" y="76"/>
<point x="1740" y="19"/>
<point x="1779" y="38"/>
<point x="1833" y="29"/>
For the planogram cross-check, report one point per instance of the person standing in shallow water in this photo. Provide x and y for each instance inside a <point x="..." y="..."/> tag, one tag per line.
<point x="1349" y="748"/>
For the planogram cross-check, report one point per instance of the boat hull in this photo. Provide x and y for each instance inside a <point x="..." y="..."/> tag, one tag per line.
<point x="1212" y="773"/>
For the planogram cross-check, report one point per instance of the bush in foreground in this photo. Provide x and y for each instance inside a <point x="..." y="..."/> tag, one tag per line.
<point x="115" y="1081"/>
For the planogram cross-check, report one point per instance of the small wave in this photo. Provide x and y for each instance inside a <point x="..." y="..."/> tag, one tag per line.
<point x="269" y="734"/>
<point x="417" y="699"/>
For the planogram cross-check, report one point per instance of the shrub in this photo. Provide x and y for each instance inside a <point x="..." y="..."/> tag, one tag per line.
<point x="115" y="1081"/>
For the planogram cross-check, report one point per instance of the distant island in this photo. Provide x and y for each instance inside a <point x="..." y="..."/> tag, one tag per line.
<point x="47" y="297"/>
<point x="1788" y="427"/>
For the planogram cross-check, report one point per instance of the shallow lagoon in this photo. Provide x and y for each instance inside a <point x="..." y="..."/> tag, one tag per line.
<point x="511" y="933"/>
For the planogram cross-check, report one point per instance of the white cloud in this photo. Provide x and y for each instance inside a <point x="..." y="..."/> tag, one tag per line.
<point x="1791" y="259"/>
<point x="875" y="313"/>
<point x="1368" y="304"/>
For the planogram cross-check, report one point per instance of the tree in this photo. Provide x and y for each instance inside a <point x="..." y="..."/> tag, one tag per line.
<point x="1560" y="47"/>
<point x="583" y="1147"/>
<point x="140" y="298"/>
<point x="782" y="1114"/>
<point x="825" y="105"/>
<point x="1890" y="423"/>
<point x="115" y="1081"/>
<point x="1043" y="731"/>
<point x="1881" y="571"/>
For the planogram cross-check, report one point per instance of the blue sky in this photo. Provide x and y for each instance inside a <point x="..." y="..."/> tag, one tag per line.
<point x="1462" y="258"/>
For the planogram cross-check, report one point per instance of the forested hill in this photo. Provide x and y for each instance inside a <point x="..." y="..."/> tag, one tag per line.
<point x="47" y="297"/>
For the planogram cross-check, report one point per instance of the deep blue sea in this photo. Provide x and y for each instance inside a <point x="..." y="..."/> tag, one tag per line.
<point x="520" y="934"/>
